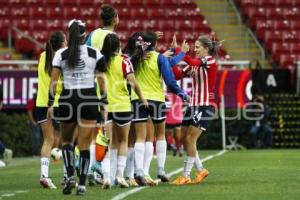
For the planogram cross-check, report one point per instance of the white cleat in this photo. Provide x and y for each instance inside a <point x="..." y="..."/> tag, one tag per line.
<point x="47" y="183"/>
<point x="121" y="182"/>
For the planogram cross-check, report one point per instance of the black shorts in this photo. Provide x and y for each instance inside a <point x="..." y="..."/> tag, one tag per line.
<point x="198" y="116"/>
<point x="78" y="104"/>
<point x="41" y="116"/>
<point x="120" y="118"/>
<point x="156" y="110"/>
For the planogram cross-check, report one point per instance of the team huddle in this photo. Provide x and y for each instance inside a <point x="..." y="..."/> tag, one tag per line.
<point x="93" y="88"/>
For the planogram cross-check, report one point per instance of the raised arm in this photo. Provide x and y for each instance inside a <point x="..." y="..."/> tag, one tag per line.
<point x="169" y="78"/>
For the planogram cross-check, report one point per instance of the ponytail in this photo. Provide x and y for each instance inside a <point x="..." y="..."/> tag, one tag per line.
<point x="111" y="45"/>
<point x="73" y="45"/>
<point x="53" y="44"/>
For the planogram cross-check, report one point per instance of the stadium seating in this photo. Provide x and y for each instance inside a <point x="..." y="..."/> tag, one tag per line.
<point x="41" y="17"/>
<point x="276" y="24"/>
<point x="285" y="119"/>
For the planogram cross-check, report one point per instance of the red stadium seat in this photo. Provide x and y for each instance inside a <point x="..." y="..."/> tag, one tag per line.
<point x="34" y="3"/>
<point x="266" y="3"/>
<point x="153" y="3"/>
<point x="38" y="12"/>
<point x="55" y="13"/>
<point x="38" y="25"/>
<point x="150" y="25"/>
<point x="55" y="25"/>
<point x="274" y="13"/>
<point x="22" y="24"/>
<point x="295" y="25"/>
<point x="283" y="3"/>
<point x="138" y="13"/>
<point x="71" y="12"/>
<point x="295" y="48"/>
<point x="158" y="13"/>
<point x="124" y="13"/>
<point x="282" y="25"/>
<point x="185" y="25"/>
<point x="136" y="3"/>
<point x="19" y="13"/>
<point x="291" y="13"/>
<point x="69" y="3"/>
<point x="87" y="13"/>
<point x="166" y="25"/>
<point x="5" y="12"/>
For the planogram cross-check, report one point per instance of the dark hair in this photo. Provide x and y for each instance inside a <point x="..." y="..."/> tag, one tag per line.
<point x="53" y="44"/>
<point x="138" y="54"/>
<point x="107" y="14"/>
<point x="75" y="32"/>
<point x="212" y="45"/>
<point x="131" y="44"/>
<point x="111" y="44"/>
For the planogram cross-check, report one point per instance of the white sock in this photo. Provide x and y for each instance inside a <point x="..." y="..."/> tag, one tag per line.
<point x="45" y="167"/>
<point x="121" y="165"/>
<point x="130" y="163"/>
<point x="106" y="166"/>
<point x="188" y="164"/>
<point x="92" y="157"/>
<point x="113" y="163"/>
<point x="198" y="163"/>
<point x="148" y="157"/>
<point x="139" y="150"/>
<point x="161" y="152"/>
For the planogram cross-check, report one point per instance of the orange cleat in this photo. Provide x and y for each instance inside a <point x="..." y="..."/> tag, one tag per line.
<point x="182" y="180"/>
<point x="200" y="176"/>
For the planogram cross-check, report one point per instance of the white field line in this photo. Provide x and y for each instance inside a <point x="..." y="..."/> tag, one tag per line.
<point x="135" y="190"/>
<point x="13" y="193"/>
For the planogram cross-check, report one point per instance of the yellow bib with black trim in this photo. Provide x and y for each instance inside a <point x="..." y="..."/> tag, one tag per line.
<point x="149" y="78"/>
<point x="44" y="84"/>
<point x="117" y="92"/>
<point x="98" y="36"/>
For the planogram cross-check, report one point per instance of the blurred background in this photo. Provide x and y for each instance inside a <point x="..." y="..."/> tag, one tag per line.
<point x="257" y="63"/>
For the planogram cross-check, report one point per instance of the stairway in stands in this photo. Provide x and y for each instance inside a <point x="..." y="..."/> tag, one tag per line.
<point x="223" y="20"/>
<point x="285" y="119"/>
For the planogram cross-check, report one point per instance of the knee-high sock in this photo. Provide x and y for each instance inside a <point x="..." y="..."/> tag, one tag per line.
<point x="92" y="157"/>
<point x="121" y="166"/>
<point x="45" y="167"/>
<point x="113" y="163"/>
<point x="68" y="156"/>
<point x="84" y="163"/>
<point x="106" y="166"/>
<point x="130" y="163"/>
<point x="161" y="152"/>
<point x="148" y="157"/>
<point x="139" y="150"/>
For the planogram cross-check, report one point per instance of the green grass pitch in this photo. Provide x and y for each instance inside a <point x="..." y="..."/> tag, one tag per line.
<point x="240" y="175"/>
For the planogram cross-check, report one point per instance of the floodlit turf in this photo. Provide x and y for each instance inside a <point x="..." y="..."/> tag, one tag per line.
<point x="242" y="175"/>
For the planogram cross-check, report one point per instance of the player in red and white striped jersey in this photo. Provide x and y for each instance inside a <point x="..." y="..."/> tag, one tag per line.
<point x="202" y="70"/>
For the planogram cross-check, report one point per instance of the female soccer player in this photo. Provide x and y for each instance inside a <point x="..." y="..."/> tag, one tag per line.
<point x="203" y="70"/>
<point x="78" y="102"/>
<point x="149" y="74"/>
<point x="120" y="70"/>
<point x="57" y="40"/>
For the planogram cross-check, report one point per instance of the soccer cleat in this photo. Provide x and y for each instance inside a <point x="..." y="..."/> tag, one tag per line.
<point x="163" y="177"/>
<point x="121" y="182"/>
<point x="140" y="180"/>
<point x="7" y="156"/>
<point x="131" y="182"/>
<point x="63" y="181"/>
<point x="69" y="185"/>
<point x="81" y="190"/>
<point x="47" y="183"/>
<point x="106" y="184"/>
<point x="91" y="179"/>
<point x="200" y="176"/>
<point x="182" y="180"/>
<point x="150" y="181"/>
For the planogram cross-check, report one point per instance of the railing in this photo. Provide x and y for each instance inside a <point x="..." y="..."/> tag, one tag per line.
<point x="17" y="64"/>
<point x="234" y="64"/>
<point x="222" y="64"/>
<point x="21" y="34"/>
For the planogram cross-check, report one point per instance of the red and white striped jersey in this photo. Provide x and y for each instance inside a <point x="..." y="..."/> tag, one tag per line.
<point x="203" y="82"/>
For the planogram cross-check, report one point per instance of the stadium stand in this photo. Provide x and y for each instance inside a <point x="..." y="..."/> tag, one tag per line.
<point x="46" y="16"/>
<point x="276" y="24"/>
<point x="285" y="119"/>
